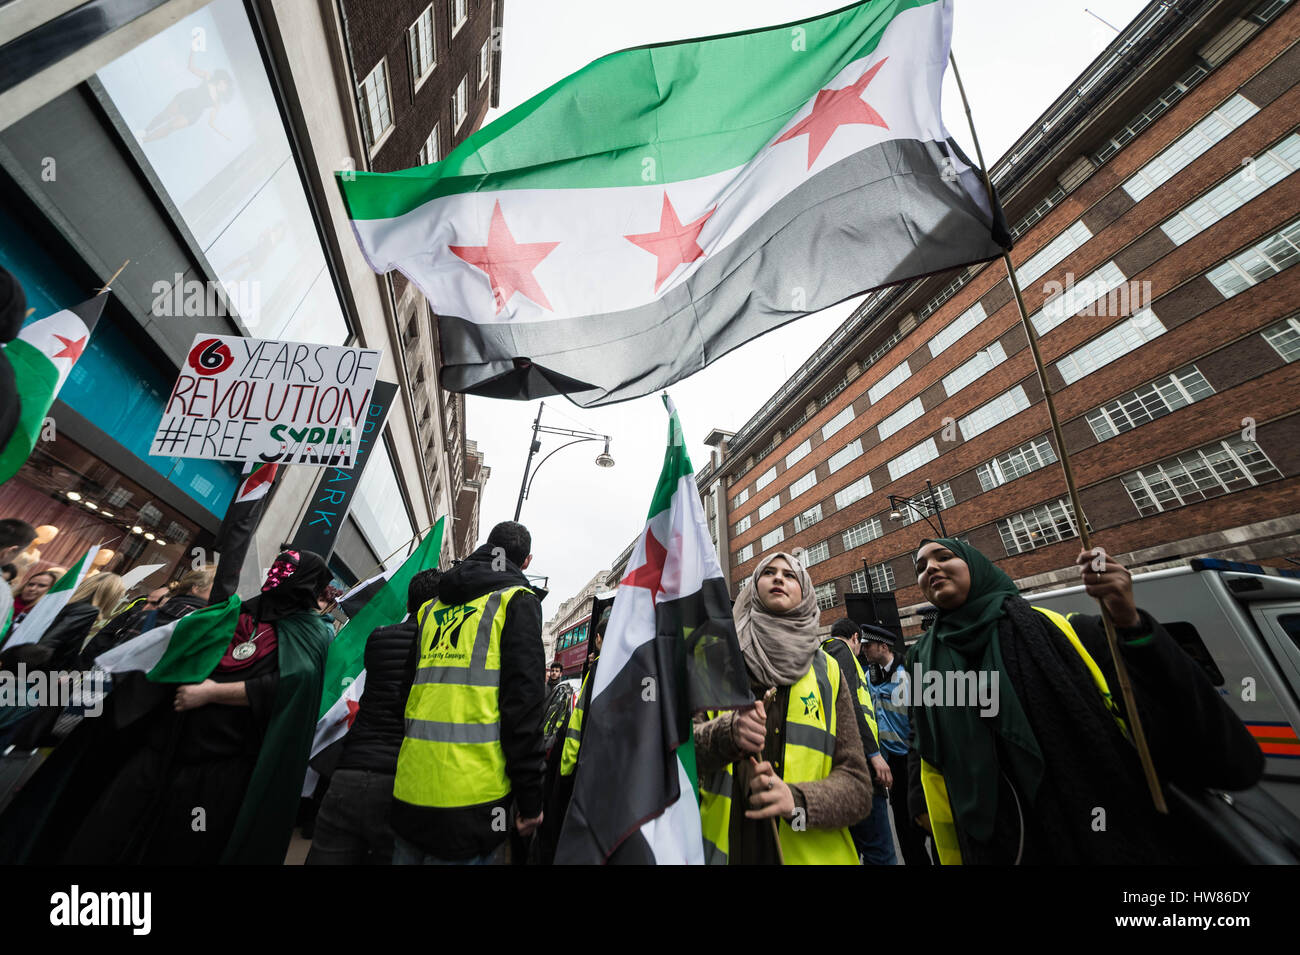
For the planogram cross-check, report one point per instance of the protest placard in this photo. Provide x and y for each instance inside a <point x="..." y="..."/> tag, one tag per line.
<point x="250" y="399"/>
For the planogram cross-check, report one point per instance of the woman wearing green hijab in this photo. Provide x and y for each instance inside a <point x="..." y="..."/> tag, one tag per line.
<point x="1043" y="772"/>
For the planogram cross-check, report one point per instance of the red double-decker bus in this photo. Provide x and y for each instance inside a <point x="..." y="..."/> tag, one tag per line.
<point x="571" y="647"/>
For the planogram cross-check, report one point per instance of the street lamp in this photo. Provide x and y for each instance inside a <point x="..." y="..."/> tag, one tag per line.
<point x="932" y="505"/>
<point x="603" y="460"/>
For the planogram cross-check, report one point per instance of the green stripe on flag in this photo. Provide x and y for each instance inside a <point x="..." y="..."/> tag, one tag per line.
<point x="387" y="607"/>
<point x="654" y="114"/>
<point x="197" y="644"/>
<point x="677" y="463"/>
<point x="36" y="378"/>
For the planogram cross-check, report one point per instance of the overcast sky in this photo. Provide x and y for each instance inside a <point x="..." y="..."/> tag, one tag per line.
<point x="1016" y="57"/>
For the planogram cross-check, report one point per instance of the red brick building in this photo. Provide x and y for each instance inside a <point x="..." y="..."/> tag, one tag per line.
<point x="1157" y="219"/>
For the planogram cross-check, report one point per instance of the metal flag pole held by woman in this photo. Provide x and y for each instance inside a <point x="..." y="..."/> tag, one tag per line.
<point x="1112" y="639"/>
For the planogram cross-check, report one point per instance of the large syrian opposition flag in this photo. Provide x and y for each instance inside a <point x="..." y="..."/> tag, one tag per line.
<point x="38" y="620"/>
<point x="237" y="528"/>
<point x="670" y="651"/>
<point x="666" y="204"/>
<point x="345" y="665"/>
<point x="186" y="650"/>
<point x="41" y="357"/>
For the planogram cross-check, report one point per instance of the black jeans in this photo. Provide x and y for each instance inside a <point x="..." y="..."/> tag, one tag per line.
<point x="352" y="825"/>
<point x="911" y="838"/>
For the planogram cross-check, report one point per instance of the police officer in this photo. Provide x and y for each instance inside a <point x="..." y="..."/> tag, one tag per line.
<point x="872" y="835"/>
<point x="471" y="758"/>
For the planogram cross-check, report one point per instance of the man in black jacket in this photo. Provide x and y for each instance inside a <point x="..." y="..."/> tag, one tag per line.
<point x="431" y="834"/>
<point x="352" y="825"/>
<point x="872" y="836"/>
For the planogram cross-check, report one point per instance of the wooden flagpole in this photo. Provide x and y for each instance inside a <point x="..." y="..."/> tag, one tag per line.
<point x="1112" y="638"/>
<point x="113" y="278"/>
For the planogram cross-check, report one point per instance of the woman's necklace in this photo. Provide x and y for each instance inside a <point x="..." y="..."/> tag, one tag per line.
<point x="246" y="649"/>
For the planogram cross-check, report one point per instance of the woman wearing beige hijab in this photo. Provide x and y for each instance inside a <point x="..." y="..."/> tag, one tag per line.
<point x="794" y="761"/>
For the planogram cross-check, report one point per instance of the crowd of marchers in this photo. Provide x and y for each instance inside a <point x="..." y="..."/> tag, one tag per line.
<point x="465" y="746"/>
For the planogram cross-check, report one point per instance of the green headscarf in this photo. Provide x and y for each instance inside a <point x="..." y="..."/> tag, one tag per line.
<point x="955" y="739"/>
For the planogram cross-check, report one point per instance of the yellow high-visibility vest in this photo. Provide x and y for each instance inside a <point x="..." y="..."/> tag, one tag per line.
<point x="451" y="753"/>
<point x="807" y="754"/>
<point x="943" y="828"/>
<point x="573" y="735"/>
<point x="864" y="696"/>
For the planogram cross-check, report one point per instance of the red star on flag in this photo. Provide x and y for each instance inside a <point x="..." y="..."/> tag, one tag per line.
<point x="650" y="574"/>
<point x="354" y="706"/>
<point x="833" y="109"/>
<point x="509" y="264"/>
<point x="674" y="244"/>
<point x="72" y="347"/>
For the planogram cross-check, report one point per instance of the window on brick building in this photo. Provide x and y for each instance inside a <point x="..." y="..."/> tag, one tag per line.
<point x="891" y="381"/>
<point x="744" y="554"/>
<point x="460" y="102"/>
<point x="1038" y="526"/>
<point x="1016" y="463"/>
<point x="1090" y="295"/>
<point x="901" y="418"/>
<point x="422" y="46"/>
<point x="816" y="554"/>
<point x="826" y="596"/>
<point x="431" y="151"/>
<point x="376" y="107"/>
<point x="854" y="492"/>
<point x="1284" y="336"/>
<point x="766" y="478"/>
<point x="958" y="327"/>
<point x="1115" y="343"/>
<point x="943" y="497"/>
<point x="984" y="360"/>
<point x="771" y="540"/>
<point x="803" y="484"/>
<point x="994" y="412"/>
<point x="1052" y="254"/>
<point x="740" y="498"/>
<point x="1191" y="144"/>
<point x="913" y="458"/>
<point x="808" y="518"/>
<point x="484" y="61"/>
<point x="882" y="579"/>
<point x="770" y="506"/>
<point x="1208" y="471"/>
<point x="844" y="455"/>
<point x="798" y="454"/>
<point x="742" y="525"/>
<point x="1153" y="400"/>
<point x="839" y="421"/>
<point x="1261" y="261"/>
<point x="1258" y="175"/>
<point x="863" y="533"/>
<point x="457" y="13"/>
<point x="1151" y="111"/>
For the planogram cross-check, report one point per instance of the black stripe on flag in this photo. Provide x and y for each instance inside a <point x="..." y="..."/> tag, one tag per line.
<point x="627" y="770"/>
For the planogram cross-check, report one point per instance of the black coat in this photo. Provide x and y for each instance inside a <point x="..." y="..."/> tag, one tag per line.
<point x="469" y="831"/>
<point x="129" y="625"/>
<point x="67" y="632"/>
<point x="380" y="723"/>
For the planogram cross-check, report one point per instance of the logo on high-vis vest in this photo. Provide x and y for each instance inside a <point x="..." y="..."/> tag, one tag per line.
<point x="810" y="707"/>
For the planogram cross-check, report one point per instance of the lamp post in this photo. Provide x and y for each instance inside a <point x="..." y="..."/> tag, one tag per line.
<point x="897" y="503"/>
<point x="603" y="460"/>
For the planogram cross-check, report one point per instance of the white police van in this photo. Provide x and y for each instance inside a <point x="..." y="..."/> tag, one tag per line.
<point x="1241" y="623"/>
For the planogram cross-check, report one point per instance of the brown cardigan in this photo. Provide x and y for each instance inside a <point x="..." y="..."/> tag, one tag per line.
<point x="841" y="799"/>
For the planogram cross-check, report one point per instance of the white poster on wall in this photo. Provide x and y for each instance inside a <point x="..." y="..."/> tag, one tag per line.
<point x="264" y="401"/>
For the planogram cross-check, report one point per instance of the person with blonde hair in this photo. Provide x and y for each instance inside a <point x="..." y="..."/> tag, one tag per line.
<point x="184" y="596"/>
<point x="92" y="602"/>
<point x="781" y="782"/>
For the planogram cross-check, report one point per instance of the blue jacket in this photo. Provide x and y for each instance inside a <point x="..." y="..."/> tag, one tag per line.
<point x="891" y="717"/>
